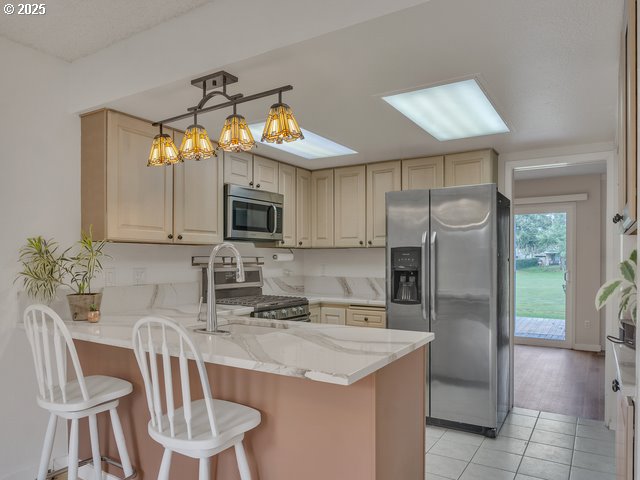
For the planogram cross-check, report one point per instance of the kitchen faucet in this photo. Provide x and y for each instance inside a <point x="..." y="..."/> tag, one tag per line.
<point x="212" y="318"/>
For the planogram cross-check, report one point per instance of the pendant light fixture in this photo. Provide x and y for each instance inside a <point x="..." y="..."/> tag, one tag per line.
<point x="163" y="151"/>
<point x="196" y="144"/>
<point x="281" y="125"/>
<point x="235" y="135"/>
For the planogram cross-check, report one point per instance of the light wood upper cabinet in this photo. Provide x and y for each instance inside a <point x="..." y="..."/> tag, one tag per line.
<point x="287" y="187"/>
<point x="303" y="207"/>
<point x="423" y="173"/>
<point x="381" y="178"/>
<point x="139" y="199"/>
<point x="322" y="208"/>
<point x="197" y="200"/>
<point x="471" y="168"/>
<point x="126" y="201"/>
<point x="238" y="168"/>
<point x="350" y="206"/>
<point x="265" y="174"/>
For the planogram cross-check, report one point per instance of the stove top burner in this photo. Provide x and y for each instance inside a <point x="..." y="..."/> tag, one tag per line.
<point x="264" y="302"/>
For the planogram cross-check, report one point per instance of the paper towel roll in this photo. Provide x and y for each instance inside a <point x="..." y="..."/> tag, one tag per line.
<point x="283" y="257"/>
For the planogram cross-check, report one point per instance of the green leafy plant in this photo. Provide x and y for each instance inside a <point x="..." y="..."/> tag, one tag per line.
<point x="626" y="284"/>
<point x="82" y="267"/>
<point x="44" y="269"/>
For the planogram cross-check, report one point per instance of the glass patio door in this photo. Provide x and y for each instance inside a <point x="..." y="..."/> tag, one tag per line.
<point x="544" y="263"/>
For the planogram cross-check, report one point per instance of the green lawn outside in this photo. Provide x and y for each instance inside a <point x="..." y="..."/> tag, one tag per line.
<point x="539" y="292"/>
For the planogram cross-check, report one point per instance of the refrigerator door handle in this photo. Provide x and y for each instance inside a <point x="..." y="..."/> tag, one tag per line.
<point x="423" y="302"/>
<point x="432" y="274"/>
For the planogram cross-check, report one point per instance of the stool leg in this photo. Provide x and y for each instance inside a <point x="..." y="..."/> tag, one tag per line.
<point x="120" y="442"/>
<point x="95" y="447"/>
<point x="243" y="465"/>
<point x="73" y="451"/>
<point x="204" y="469"/>
<point x="45" y="456"/>
<point x="163" y="474"/>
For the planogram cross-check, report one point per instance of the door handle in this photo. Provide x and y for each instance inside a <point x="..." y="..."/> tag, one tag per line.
<point x="423" y="290"/>
<point x="275" y="218"/>
<point x="433" y="274"/>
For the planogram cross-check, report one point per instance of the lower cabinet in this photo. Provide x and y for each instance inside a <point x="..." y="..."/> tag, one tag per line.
<point x="353" y="315"/>
<point x="333" y="315"/>
<point x="366" y="317"/>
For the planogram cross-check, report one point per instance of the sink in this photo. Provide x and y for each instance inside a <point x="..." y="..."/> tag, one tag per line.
<point x="241" y="328"/>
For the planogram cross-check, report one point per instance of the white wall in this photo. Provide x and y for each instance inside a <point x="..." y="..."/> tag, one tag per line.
<point x="39" y="193"/>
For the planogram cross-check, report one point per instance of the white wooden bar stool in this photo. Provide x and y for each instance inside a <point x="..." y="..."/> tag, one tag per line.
<point x="199" y="428"/>
<point x="83" y="397"/>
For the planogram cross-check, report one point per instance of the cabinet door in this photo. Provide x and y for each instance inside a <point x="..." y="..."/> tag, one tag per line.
<point x="197" y="200"/>
<point x="470" y="168"/>
<point x="333" y="315"/>
<point x="265" y="174"/>
<point x="366" y="317"/>
<point x="139" y="198"/>
<point x="287" y="187"/>
<point x="381" y="178"/>
<point x="350" y="206"/>
<point x="422" y="173"/>
<point x="322" y="208"/>
<point x="238" y="168"/>
<point x="303" y="208"/>
<point x="314" y="314"/>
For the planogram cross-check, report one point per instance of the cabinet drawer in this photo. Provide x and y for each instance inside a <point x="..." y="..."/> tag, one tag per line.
<point x="361" y="317"/>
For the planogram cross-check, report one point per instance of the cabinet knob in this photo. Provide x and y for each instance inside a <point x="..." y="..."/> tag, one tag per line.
<point x="366" y="319"/>
<point x="370" y="242"/>
<point x="258" y="186"/>
<point x="251" y="184"/>
<point x="361" y="242"/>
<point x="179" y="237"/>
<point x="300" y="243"/>
<point x="617" y="218"/>
<point x="170" y="236"/>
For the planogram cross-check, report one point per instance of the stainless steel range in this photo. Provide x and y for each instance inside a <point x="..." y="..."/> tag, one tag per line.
<point x="249" y="293"/>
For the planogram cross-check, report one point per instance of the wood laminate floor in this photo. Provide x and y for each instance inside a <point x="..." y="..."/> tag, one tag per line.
<point x="558" y="380"/>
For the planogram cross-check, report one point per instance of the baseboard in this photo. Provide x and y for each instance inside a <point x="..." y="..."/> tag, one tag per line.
<point x="587" y="347"/>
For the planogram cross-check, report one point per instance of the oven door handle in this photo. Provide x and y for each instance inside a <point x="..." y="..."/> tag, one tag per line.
<point x="275" y="218"/>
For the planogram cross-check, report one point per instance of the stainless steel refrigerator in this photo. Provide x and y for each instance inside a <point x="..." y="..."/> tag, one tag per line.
<point x="447" y="272"/>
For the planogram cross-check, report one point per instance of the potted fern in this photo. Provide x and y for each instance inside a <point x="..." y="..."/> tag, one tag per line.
<point x="628" y="289"/>
<point x="44" y="269"/>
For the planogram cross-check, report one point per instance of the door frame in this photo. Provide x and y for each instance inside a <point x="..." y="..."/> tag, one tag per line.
<point x="570" y="209"/>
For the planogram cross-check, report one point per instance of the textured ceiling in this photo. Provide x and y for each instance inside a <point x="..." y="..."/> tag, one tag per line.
<point x="72" y="29"/>
<point x="549" y="66"/>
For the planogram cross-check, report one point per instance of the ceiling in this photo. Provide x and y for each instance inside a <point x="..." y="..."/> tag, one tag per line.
<point x="550" y="67"/>
<point x="595" y="168"/>
<point x="72" y="29"/>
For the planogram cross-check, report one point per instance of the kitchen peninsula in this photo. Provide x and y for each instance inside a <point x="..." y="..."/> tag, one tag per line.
<point x="337" y="402"/>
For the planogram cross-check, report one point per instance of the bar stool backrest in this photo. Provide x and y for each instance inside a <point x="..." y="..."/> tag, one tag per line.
<point x="51" y="342"/>
<point x="155" y="337"/>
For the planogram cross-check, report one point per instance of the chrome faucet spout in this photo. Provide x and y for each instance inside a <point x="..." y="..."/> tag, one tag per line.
<point x="212" y="318"/>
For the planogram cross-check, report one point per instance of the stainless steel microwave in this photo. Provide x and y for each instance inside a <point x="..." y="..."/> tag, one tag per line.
<point x="251" y="214"/>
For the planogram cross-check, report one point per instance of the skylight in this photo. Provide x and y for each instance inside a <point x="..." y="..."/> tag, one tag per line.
<point x="449" y="112"/>
<point x="313" y="145"/>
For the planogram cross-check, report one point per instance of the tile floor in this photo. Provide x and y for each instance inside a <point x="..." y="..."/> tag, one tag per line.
<point x="531" y="445"/>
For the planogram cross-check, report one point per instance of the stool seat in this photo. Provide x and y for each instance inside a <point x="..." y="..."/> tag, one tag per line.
<point x="101" y="389"/>
<point x="232" y="419"/>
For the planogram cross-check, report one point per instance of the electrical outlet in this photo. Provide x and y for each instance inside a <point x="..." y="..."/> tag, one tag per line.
<point x="109" y="277"/>
<point x="587" y="323"/>
<point x="139" y="276"/>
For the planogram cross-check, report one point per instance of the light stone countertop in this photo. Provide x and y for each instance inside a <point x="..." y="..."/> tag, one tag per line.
<point x="338" y="300"/>
<point x="333" y="354"/>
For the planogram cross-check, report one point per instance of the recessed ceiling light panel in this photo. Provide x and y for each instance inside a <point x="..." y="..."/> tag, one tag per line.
<point x="451" y="111"/>
<point x="312" y="146"/>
